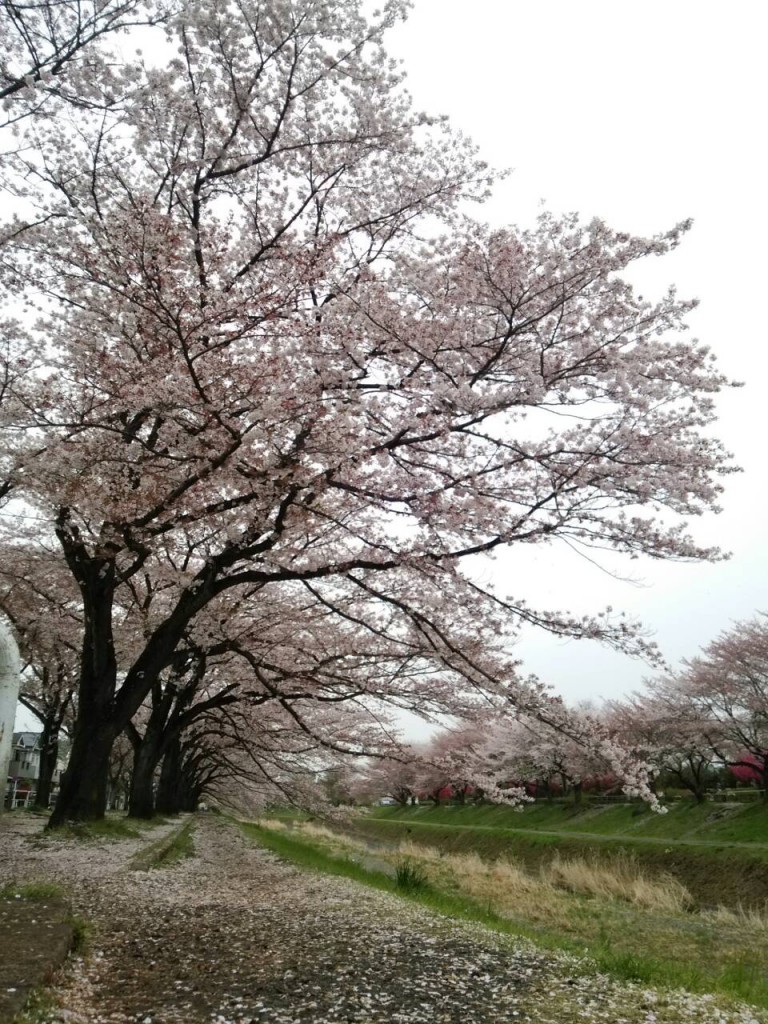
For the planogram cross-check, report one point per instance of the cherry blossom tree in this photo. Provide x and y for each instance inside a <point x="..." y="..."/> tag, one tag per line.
<point x="119" y="772"/>
<point x="446" y="767"/>
<point x="262" y="352"/>
<point x="667" y="733"/>
<point x="387" y="777"/>
<point x="554" y="752"/>
<point x="38" y="597"/>
<point x="280" y="752"/>
<point x="297" y="652"/>
<point x="152" y="733"/>
<point x="727" y="686"/>
<point x="50" y="50"/>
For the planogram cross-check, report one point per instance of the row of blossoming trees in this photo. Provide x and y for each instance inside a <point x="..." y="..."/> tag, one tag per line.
<point x="695" y="729"/>
<point x="268" y="395"/>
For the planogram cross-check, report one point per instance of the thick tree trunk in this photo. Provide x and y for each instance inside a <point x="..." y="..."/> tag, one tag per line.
<point x="162" y="732"/>
<point x="103" y="712"/>
<point x="169" y="787"/>
<point x="189" y="800"/>
<point x="148" y="750"/>
<point x="83" y="794"/>
<point x="49" y="753"/>
<point x="141" y="799"/>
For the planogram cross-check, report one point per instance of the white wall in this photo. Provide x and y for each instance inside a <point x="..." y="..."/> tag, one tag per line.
<point x="9" y="691"/>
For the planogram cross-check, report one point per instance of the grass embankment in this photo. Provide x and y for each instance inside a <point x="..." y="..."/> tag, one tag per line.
<point x="718" y="851"/>
<point x="684" y="821"/>
<point x="631" y="925"/>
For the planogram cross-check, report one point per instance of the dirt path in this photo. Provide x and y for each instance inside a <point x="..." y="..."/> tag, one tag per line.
<point x="235" y="936"/>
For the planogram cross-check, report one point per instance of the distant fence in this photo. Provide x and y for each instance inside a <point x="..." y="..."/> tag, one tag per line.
<point x="742" y="796"/>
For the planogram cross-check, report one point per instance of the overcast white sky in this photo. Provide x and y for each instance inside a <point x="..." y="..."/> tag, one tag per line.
<point x="643" y="114"/>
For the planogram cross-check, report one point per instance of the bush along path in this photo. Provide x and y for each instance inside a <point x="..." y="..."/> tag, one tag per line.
<point x="234" y="935"/>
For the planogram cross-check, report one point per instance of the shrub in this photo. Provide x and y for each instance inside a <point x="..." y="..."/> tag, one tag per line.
<point x="409" y="877"/>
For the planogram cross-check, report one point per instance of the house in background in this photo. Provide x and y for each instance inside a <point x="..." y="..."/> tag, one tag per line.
<point x="24" y="770"/>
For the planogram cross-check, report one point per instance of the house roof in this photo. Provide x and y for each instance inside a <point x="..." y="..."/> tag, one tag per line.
<point x="26" y="739"/>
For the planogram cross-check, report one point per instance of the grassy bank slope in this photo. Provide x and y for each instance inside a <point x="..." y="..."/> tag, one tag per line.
<point x="645" y="937"/>
<point x="684" y="820"/>
<point x="719" y="852"/>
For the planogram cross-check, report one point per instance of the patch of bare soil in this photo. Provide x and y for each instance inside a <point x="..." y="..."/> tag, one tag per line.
<point x="35" y="938"/>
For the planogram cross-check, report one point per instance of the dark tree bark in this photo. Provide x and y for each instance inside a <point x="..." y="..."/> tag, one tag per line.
<point x="148" y="750"/>
<point x="169" y="785"/>
<point x="173" y="711"/>
<point x="83" y="795"/>
<point x="141" y="799"/>
<point x="693" y="776"/>
<point x="103" y="711"/>
<point x="50" y="705"/>
<point x="182" y="778"/>
<point x="49" y="754"/>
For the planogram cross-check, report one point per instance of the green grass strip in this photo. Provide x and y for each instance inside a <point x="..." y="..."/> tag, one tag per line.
<point x="686" y="822"/>
<point x="166" y="851"/>
<point x="43" y="891"/>
<point x="106" y="828"/>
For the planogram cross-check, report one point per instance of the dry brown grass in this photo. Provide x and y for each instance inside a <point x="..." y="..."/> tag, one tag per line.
<point x="622" y="879"/>
<point x="748" y="921"/>
<point x="507" y="885"/>
<point x="500" y="885"/>
<point x="325" y="835"/>
<point x="512" y="891"/>
<point x="271" y="823"/>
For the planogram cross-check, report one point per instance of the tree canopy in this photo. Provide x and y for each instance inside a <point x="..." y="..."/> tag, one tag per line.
<point x="252" y="344"/>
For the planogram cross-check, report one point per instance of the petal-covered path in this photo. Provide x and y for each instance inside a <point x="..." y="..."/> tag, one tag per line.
<point x="235" y="935"/>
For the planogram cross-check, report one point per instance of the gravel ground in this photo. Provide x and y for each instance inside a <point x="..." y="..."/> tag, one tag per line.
<point x="234" y="936"/>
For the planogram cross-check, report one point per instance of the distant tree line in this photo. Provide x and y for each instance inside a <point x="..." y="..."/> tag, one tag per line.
<point x="699" y="730"/>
